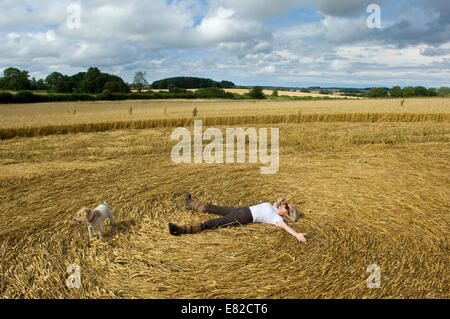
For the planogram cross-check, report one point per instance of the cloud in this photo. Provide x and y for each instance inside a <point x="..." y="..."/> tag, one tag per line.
<point x="434" y="52"/>
<point x="345" y="30"/>
<point x="224" y="26"/>
<point x="240" y="49"/>
<point x="404" y="22"/>
<point x="152" y="24"/>
<point x="440" y="7"/>
<point x="30" y="14"/>
<point x="260" y="9"/>
<point x="345" y="8"/>
<point x="288" y="41"/>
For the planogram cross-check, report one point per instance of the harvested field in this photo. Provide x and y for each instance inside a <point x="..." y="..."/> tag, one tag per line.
<point x="293" y="93"/>
<point x="8" y="133"/>
<point x="43" y="114"/>
<point x="371" y="193"/>
<point x="280" y="93"/>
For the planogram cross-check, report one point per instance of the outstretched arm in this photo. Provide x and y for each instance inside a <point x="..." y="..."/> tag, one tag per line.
<point x="299" y="236"/>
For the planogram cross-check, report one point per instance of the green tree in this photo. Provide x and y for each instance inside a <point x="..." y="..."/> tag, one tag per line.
<point x="91" y="82"/>
<point x="226" y="85"/>
<point x="15" y="79"/>
<point x="53" y="81"/>
<point x="174" y="90"/>
<point x="396" y="91"/>
<point x="443" y="91"/>
<point x="139" y="81"/>
<point x="325" y="91"/>
<point x="38" y="85"/>
<point x="420" y="91"/>
<point x="432" y="92"/>
<point x="210" y="93"/>
<point x="377" y="93"/>
<point x="60" y="83"/>
<point x="190" y="83"/>
<point x="408" y="91"/>
<point x="257" y="93"/>
<point x="275" y="93"/>
<point x="114" y="86"/>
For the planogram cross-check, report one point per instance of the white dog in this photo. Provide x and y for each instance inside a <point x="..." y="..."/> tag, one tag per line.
<point x="95" y="218"/>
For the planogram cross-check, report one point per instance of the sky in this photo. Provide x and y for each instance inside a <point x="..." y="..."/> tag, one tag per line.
<point x="290" y="43"/>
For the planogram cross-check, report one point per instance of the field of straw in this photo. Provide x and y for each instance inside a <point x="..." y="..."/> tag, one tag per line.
<point x="293" y="93"/>
<point x="280" y="93"/>
<point x="43" y="114"/>
<point x="372" y="190"/>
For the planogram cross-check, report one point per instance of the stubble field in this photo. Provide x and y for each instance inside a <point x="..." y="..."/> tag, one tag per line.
<point x="41" y="114"/>
<point x="370" y="191"/>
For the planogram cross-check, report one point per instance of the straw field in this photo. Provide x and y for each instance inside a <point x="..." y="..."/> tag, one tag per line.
<point x="42" y="114"/>
<point x="372" y="190"/>
<point x="294" y="93"/>
<point x="280" y="93"/>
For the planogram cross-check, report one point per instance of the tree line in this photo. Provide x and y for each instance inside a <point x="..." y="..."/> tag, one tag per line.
<point x="408" y="91"/>
<point x="109" y="87"/>
<point x="92" y="82"/>
<point x="190" y="83"/>
<point x="95" y="82"/>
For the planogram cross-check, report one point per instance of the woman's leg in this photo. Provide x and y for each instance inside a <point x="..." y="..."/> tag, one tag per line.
<point x="239" y="216"/>
<point x="219" y="210"/>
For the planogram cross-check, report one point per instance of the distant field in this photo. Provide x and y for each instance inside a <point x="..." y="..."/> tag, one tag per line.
<point x="41" y="114"/>
<point x="280" y="92"/>
<point x="296" y="93"/>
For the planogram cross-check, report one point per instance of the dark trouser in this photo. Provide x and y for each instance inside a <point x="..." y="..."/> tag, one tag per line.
<point x="231" y="216"/>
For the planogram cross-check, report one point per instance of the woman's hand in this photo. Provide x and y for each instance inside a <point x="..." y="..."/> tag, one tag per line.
<point x="301" y="237"/>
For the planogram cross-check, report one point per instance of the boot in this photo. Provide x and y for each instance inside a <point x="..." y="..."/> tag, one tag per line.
<point x="194" y="205"/>
<point x="176" y="230"/>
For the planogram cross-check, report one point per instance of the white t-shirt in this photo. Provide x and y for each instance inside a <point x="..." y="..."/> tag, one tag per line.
<point x="265" y="213"/>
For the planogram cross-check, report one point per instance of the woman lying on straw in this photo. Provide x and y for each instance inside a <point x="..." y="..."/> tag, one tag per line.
<point x="234" y="216"/>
